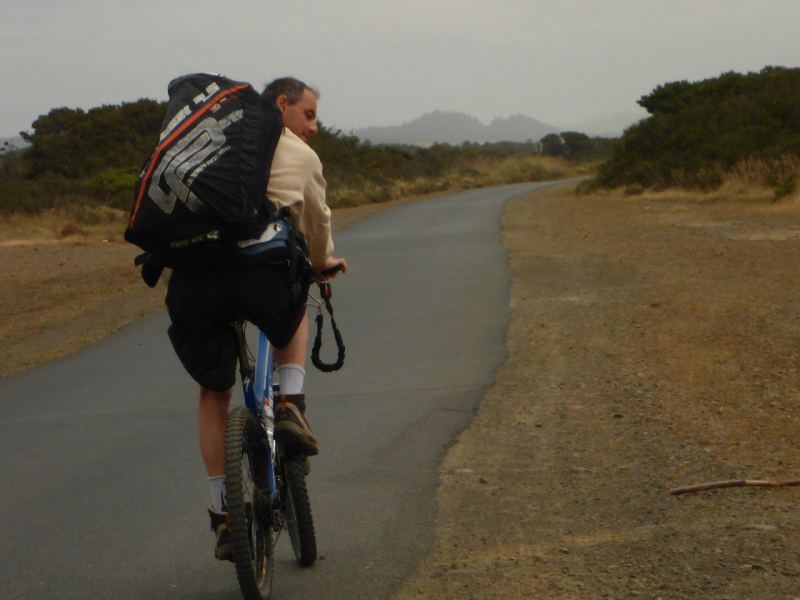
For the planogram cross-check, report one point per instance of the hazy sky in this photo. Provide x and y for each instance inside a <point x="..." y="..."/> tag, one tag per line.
<point x="385" y="62"/>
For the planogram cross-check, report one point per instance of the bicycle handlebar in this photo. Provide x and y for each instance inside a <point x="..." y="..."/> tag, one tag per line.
<point x="326" y="272"/>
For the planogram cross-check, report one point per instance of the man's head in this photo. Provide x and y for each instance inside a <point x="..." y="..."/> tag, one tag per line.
<point x="297" y="103"/>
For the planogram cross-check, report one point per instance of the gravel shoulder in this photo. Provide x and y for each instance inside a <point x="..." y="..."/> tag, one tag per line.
<point x="652" y="343"/>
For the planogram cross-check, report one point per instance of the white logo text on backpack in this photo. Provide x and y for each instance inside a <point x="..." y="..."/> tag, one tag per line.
<point x="183" y="162"/>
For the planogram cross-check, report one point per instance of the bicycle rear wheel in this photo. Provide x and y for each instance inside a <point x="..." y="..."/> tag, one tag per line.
<point x="297" y="513"/>
<point x="248" y="502"/>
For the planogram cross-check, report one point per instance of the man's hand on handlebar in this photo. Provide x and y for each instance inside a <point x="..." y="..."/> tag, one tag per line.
<point x="331" y="268"/>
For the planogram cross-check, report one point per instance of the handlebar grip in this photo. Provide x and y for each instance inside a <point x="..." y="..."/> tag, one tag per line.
<point x="331" y="271"/>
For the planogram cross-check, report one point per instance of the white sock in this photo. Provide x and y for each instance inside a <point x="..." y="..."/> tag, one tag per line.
<point x="291" y="378"/>
<point x="217" y="487"/>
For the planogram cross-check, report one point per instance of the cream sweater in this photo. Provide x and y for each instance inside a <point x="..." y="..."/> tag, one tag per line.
<point x="296" y="181"/>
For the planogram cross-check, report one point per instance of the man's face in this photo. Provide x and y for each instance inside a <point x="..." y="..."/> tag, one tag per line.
<point x="300" y="117"/>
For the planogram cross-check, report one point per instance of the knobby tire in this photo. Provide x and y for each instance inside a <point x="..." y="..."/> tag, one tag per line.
<point x="297" y="512"/>
<point x="247" y="496"/>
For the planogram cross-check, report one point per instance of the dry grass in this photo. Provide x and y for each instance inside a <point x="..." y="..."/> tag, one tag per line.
<point x="757" y="171"/>
<point x="469" y="172"/>
<point x="778" y="176"/>
<point x="749" y="181"/>
<point x="81" y="222"/>
<point x="96" y="223"/>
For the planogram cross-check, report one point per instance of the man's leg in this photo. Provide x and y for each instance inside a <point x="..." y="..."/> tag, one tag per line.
<point x="294" y="353"/>
<point x="212" y="416"/>
<point x="291" y="426"/>
<point x="213" y="406"/>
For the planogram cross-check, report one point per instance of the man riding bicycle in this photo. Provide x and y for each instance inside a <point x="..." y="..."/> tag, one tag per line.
<point x="203" y="303"/>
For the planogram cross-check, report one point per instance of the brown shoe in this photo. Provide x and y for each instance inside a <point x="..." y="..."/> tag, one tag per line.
<point x="223" y="550"/>
<point x="291" y="427"/>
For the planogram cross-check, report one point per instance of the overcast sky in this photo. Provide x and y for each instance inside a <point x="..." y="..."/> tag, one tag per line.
<point x="384" y="62"/>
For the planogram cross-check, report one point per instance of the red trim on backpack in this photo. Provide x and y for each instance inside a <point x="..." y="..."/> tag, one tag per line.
<point x="160" y="148"/>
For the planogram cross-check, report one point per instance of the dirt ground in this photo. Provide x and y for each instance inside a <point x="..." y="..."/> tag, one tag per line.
<point x="58" y="295"/>
<point x="653" y="343"/>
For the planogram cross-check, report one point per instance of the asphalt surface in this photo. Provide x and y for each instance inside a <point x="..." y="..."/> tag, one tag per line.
<point x="102" y="491"/>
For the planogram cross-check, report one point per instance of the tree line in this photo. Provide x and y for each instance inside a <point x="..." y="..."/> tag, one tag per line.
<point x="94" y="156"/>
<point x="699" y="132"/>
<point x="696" y="134"/>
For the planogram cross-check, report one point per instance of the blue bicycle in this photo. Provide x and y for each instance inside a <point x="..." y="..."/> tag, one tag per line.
<point x="266" y="487"/>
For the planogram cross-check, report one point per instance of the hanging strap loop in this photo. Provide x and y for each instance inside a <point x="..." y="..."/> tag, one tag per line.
<point x="325" y="293"/>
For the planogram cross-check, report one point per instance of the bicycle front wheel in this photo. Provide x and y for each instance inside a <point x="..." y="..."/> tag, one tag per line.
<point x="297" y="513"/>
<point x="248" y="502"/>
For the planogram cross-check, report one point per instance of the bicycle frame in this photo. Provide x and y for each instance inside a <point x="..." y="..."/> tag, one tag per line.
<point x="259" y="395"/>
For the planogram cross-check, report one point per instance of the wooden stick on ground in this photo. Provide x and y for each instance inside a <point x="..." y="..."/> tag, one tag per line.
<point x="714" y="485"/>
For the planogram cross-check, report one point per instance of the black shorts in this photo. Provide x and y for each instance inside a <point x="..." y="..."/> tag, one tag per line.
<point x="202" y="304"/>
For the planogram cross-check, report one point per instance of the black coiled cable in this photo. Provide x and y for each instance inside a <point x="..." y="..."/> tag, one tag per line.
<point x="325" y="293"/>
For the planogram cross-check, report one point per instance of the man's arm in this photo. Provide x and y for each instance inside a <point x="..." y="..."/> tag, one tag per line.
<point x="316" y="216"/>
<point x="316" y="219"/>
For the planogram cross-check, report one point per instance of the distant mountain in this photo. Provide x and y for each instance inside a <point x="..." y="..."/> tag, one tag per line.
<point x="10" y="144"/>
<point x="455" y="128"/>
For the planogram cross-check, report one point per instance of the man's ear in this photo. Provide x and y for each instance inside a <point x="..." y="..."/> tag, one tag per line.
<point x="282" y="102"/>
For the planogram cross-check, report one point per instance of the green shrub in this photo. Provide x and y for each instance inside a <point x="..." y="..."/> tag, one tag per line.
<point x="113" y="187"/>
<point x="698" y="132"/>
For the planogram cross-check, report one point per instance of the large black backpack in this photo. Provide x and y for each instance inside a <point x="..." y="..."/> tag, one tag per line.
<point x="204" y="185"/>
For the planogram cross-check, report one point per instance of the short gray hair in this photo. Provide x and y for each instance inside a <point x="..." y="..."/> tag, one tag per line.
<point x="291" y="87"/>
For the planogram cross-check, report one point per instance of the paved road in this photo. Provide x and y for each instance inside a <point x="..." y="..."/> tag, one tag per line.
<point x="102" y="492"/>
